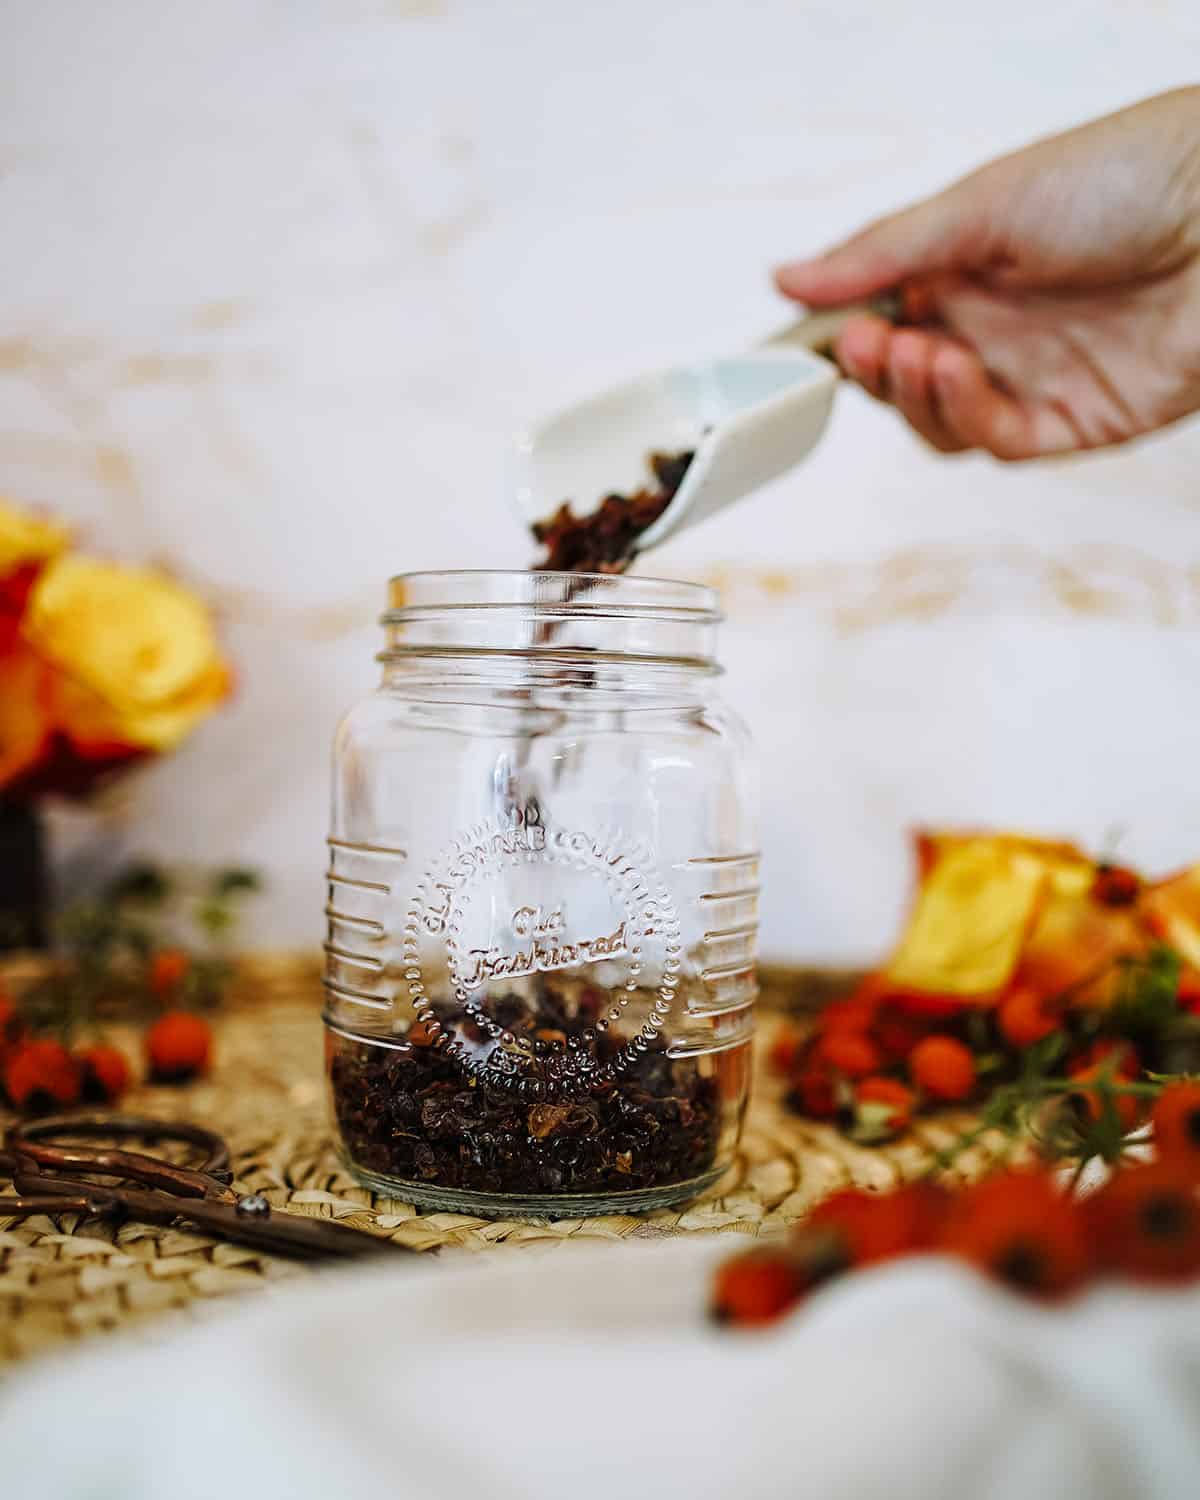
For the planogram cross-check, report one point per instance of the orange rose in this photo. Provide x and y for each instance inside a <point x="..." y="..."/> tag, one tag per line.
<point x="26" y="545"/>
<point x="25" y="721"/>
<point x="135" y="655"/>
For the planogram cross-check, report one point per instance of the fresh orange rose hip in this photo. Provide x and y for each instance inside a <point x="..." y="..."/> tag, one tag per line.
<point x="785" y="1049"/>
<point x="106" y="1073"/>
<point x="879" y="1226"/>
<point x="813" y="1092"/>
<point x="167" y="970"/>
<point x="1116" y="885"/>
<point x="1096" y="1076"/>
<point x="852" y="1013"/>
<point x="1145" y="1222"/>
<point x="1020" y="1229"/>
<point x="1026" y="1017"/>
<point x="41" y="1075"/>
<point x="1188" y="994"/>
<point x="944" y="1068"/>
<point x="896" y="1098"/>
<point x="756" y="1287"/>
<point x="178" y="1047"/>
<point x="1176" y="1121"/>
<point x="849" y="1053"/>
<point x="897" y="1034"/>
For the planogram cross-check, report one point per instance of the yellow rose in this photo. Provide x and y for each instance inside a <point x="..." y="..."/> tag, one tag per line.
<point x="25" y="539"/>
<point x="135" y="655"/>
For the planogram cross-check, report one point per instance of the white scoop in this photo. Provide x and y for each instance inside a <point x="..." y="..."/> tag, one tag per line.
<point x="749" y="417"/>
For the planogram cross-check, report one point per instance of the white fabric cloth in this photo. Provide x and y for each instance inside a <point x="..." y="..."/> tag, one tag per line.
<point x="594" y="1374"/>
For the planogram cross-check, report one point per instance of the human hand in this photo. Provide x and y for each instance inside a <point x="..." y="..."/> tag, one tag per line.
<point x="1065" y="283"/>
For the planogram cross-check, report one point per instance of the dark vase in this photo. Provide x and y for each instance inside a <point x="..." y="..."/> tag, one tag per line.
<point x="24" y="884"/>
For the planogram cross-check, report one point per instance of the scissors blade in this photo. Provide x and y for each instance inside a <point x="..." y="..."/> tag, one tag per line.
<point x="281" y="1232"/>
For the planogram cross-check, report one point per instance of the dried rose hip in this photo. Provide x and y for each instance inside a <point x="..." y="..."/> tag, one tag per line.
<point x="605" y="541"/>
<point x="411" y="1113"/>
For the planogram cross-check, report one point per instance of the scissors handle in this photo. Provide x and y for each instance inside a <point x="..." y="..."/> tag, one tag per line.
<point x="23" y="1207"/>
<point x="130" y="1166"/>
<point x="156" y="1191"/>
<point x="215" y="1158"/>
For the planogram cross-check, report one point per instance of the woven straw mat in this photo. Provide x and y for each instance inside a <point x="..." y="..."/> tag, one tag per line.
<point x="63" y="1279"/>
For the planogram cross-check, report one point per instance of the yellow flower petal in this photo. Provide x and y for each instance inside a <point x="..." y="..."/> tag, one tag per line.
<point x="99" y="728"/>
<point x="137" y="653"/>
<point x="25" y="538"/>
<point x="972" y="913"/>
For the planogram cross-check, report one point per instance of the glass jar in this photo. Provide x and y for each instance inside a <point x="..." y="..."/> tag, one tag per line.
<point x="543" y="896"/>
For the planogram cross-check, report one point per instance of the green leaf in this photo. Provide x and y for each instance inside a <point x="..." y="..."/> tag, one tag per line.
<point x="142" y="884"/>
<point x="1041" y="1057"/>
<point x="214" y="917"/>
<point x="235" y="881"/>
<point x="1147" y="993"/>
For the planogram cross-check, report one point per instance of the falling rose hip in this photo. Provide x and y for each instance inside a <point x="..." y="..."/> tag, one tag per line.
<point x="605" y="541"/>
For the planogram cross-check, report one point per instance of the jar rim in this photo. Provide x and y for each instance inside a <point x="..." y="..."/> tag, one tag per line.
<point x="618" y="595"/>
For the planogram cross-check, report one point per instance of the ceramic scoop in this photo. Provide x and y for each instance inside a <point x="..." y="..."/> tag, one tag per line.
<point x="749" y="418"/>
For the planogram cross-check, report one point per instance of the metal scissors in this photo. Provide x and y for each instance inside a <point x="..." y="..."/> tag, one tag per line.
<point x="53" y="1174"/>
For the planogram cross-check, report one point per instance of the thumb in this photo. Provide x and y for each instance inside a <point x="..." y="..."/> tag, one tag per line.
<point x="935" y="235"/>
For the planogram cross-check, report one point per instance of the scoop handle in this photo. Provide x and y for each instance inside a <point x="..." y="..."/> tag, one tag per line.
<point x="818" y="330"/>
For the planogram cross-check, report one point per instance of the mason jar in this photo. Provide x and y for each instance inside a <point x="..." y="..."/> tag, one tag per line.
<point x="543" y="898"/>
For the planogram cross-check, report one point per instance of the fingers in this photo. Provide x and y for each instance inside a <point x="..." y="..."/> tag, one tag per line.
<point x="982" y="415"/>
<point x="897" y="366"/>
<point x="913" y="391"/>
<point x="939" y="234"/>
<point x="944" y="392"/>
<point x="862" y="351"/>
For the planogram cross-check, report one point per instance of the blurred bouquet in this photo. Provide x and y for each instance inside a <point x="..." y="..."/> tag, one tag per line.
<point x="1055" y="993"/>
<point x="101" y="665"/>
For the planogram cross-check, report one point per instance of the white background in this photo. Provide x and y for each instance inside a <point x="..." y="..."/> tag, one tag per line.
<point x="278" y="276"/>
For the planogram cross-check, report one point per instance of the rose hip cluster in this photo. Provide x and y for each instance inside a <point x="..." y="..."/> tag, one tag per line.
<point x="872" y="1059"/>
<point x="875" y="1058"/>
<point x="1021" y="1227"/>
<point x="40" y="1074"/>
